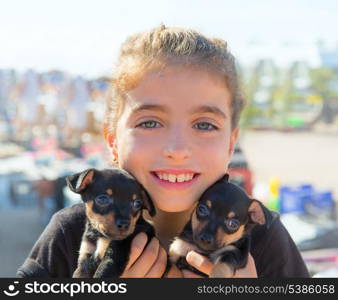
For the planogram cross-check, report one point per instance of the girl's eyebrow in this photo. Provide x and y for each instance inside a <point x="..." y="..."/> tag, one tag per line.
<point x="143" y="107"/>
<point x="209" y="109"/>
<point x="161" y="108"/>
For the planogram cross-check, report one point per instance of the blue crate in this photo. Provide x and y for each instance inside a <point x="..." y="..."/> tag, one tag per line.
<point x="291" y="200"/>
<point x="323" y="200"/>
<point x="297" y="199"/>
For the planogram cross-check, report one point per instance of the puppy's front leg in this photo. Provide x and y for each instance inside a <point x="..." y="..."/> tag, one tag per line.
<point x="115" y="259"/>
<point x="229" y="259"/>
<point x="86" y="264"/>
<point x="224" y="267"/>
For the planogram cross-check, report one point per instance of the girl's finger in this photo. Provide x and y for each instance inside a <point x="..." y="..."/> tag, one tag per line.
<point x="159" y="266"/>
<point x="143" y="264"/>
<point x="200" y="262"/>
<point x="137" y="246"/>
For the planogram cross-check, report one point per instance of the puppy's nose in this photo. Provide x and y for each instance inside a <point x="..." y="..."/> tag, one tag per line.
<point x="122" y="224"/>
<point x="206" y="239"/>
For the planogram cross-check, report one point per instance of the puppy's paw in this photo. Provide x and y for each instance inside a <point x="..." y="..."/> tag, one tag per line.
<point x="108" y="269"/>
<point x="222" y="270"/>
<point x="80" y="273"/>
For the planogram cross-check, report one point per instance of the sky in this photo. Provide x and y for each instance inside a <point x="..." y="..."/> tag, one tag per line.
<point x="84" y="36"/>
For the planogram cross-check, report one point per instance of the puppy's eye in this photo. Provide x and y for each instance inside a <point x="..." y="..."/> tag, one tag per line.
<point x="202" y="210"/>
<point x="103" y="200"/>
<point x="136" y="204"/>
<point x="232" y="224"/>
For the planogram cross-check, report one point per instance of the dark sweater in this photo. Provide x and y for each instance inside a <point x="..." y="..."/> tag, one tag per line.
<point x="56" y="251"/>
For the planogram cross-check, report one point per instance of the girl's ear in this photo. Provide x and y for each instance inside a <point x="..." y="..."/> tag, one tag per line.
<point x="148" y="203"/>
<point x="233" y="140"/>
<point x="79" y="181"/>
<point x="111" y="141"/>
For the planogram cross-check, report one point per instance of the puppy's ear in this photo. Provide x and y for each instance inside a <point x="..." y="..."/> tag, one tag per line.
<point x="259" y="214"/>
<point x="148" y="203"/>
<point x="79" y="181"/>
<point x="224" y="178"/>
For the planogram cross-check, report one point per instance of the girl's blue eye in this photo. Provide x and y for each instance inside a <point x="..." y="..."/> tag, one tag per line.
<point x="148" y="124"/>
<point x="206" y="126"/>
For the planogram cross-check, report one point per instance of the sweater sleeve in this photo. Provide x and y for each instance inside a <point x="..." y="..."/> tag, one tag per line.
<point x="279" y="257"/>
<point x="55" y="252"/>
<point x="48" y="256"/>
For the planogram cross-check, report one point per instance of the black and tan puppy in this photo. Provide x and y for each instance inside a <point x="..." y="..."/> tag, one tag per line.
<point x="114" y="202"/>
<point x="219" y="229"/>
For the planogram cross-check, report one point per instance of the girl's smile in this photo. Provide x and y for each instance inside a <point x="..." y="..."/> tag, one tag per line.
<point x="175" y="179"/>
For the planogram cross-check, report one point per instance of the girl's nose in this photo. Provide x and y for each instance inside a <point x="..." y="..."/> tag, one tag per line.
<point x="177" y="146"/>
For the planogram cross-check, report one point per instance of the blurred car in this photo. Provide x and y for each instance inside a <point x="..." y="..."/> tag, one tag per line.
<point x="239" y="170"/>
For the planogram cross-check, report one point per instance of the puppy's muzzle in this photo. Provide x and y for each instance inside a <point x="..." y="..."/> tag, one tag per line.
<point x="205" y="241"/>
<point x="122" y="224"/>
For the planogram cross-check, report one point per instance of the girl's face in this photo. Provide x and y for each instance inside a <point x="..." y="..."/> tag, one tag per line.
<point x="175" y="136"/>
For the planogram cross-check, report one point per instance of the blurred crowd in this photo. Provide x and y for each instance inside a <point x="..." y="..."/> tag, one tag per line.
<point x="50" y="104"/>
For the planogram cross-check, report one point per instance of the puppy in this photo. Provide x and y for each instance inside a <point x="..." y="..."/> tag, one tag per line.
<point x="114" y="201"/>
<point x="219" y="229"/>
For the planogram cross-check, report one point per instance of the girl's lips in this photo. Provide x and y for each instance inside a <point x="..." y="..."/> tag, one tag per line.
<point x="175" y="185"/>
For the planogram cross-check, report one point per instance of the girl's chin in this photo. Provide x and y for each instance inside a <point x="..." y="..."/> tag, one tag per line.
<point x="174" y="206"/>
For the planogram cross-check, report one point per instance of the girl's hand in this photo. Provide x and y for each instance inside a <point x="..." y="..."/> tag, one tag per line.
<point x="204" y="265"/>
<point x="144" y="261"/>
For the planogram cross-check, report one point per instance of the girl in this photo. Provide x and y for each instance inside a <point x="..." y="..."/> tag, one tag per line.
<point x="172" y="122"/>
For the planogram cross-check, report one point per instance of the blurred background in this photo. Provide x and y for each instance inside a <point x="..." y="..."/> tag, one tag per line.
<point x="55" y="63"/>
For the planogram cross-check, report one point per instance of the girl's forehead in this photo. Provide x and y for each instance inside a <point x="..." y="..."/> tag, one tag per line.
<point x="193" y="91"/>
<point x="189" y="75"/>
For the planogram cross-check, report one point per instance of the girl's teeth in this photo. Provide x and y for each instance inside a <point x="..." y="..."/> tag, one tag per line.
<point x="181" y="178"/>
<point x="172" y="178"/>
<point x="175" y="178"/>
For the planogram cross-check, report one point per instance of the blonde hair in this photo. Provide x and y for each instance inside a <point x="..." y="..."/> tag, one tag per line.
<point x="166" y="46"/>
